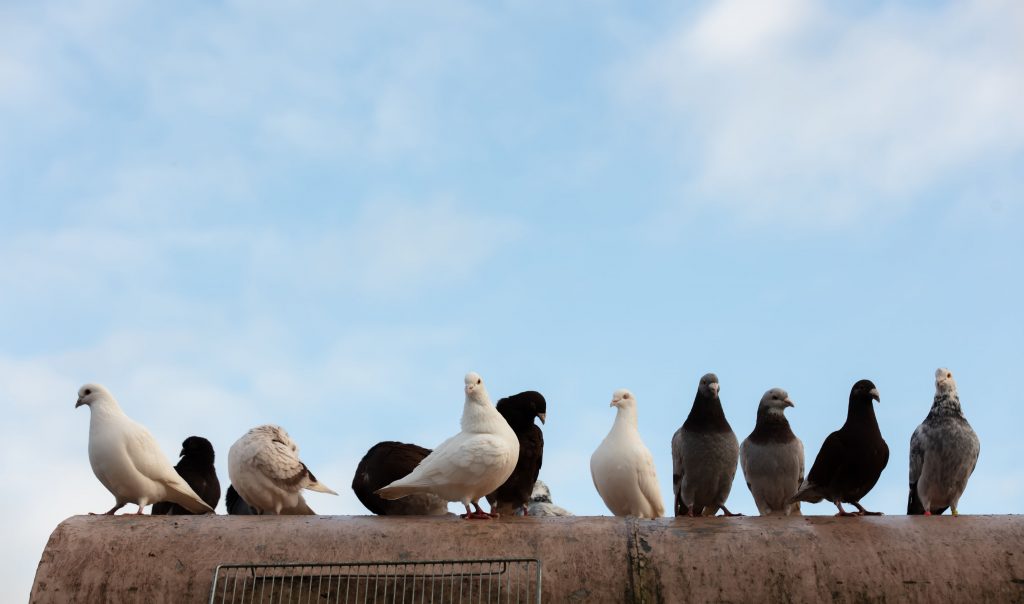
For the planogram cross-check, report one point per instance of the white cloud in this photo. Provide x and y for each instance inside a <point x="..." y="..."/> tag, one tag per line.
<point x="795" y="112"/>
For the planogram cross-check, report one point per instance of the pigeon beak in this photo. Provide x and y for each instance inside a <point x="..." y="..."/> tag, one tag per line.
<point x="874" y="394"/>
<point x="542" y="417"/>
<point x="79" y="403"/>
<point x="715" y="387"/>
<point x="614" y="403"/>
<point x="788" y="403"/>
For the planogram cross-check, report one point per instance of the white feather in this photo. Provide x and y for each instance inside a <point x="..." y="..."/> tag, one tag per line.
<point x="265" y="469"/>
<point x="471" y="464"/>
<point x="622" y="467"/>
<point x="127" y="459"/>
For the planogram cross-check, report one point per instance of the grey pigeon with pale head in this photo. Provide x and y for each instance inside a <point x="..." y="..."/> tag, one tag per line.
<point x="622" y="466"/>
<point x="540" y="503"/>
<point x="469" y="465"/>
<point x="943" y="452"/>
<point x="266" y="471"/>
<point x="704" y="455"/>
<point x="127" y="459"/>
<point x="772" y="457"/>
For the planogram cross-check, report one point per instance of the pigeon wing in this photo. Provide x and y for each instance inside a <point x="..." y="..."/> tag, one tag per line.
<point x="677" y="472"/>
<point x="917" y="445"/>
<point x="282" y="466"/>
<point x="647" y="480"/>
<point x="145" y="454"/>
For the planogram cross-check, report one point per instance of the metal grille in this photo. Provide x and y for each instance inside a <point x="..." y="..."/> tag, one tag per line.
<point x="455" y="581"/>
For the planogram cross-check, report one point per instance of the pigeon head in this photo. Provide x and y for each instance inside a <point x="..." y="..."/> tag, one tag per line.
<point x="709" y="386"/>
<point x="541" y="492"/>
<point x="520" y="409"/>
<point x="91" y="394"/>
<point x="944" y="382"/>
<point x="475" y="390"/>
<point x="197" y="448"/>
<point x="623" y="399"/>
<point x="775" y="400"/>
<point x="864" y="391"/>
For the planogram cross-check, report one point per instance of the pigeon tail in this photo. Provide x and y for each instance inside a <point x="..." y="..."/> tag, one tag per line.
<point x="302" y="509"/>
<point x="395" y="491"/>
<point x="807" y="492"/>
<point x="320" y="487"/>
<point x="188" y="500"/>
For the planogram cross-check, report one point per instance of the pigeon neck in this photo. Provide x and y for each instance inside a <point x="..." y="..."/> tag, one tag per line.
<point x="706" y="415"/>
<point x="625" y="418"/>
<point x="862" y="411"/>
<point x="477" y="417"/>
<point x="946" y="404"/>
<point x="105" y="409"/>
<point x="771" y="427"/>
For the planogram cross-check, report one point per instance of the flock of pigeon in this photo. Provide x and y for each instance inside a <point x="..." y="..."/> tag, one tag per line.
<point x="498" y="452"/>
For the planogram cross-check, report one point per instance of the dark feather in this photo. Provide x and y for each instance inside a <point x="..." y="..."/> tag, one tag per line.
<point x="852" y="458"/>
<point x="385" y="463"/>
<point x="519" y="411"/>
<point x="196" y="468"/>
<point x="235" y="505"/>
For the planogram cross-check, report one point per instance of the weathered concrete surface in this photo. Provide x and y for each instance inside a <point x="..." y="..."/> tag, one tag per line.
<point x="585" y="559"/>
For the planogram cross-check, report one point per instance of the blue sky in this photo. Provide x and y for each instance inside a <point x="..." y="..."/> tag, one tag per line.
<point x="324" y="215"/>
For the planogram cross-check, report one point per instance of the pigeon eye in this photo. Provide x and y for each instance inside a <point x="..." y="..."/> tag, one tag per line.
<point x="479" y="380"/>
<point x="88" y="392"/>
<point x="949" y="375"/>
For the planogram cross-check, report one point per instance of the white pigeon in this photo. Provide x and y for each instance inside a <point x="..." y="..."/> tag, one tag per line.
<point x="622" y="467"/>
<point x="265" y="469"/>
<point x="469" y="465"/>
<point x="127" y="459"/>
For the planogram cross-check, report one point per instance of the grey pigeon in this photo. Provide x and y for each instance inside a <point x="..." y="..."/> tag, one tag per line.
<point x="704" y="455"/>
<point x="540" y="503"/>
<point x="772" y="457"/>
<point x="851" y="459"/>
<point x="943" y="452"/>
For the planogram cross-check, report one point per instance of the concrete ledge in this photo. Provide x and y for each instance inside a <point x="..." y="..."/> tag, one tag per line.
<point x="585" y="559"/>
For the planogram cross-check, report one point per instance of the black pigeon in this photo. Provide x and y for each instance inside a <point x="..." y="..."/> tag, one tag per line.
<point x="237" y="506"/>
<point x="196" y="467"/>
<point x="851" y="459"/>
<point x="385" y="463"/>
<point x="519" y="411"/>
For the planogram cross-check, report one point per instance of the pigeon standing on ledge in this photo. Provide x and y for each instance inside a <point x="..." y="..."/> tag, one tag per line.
<point x="385" y="463"/>
<point x="622" y="466"/>
<point x="127" y="459"/>
<point x="851" y="458"/>
<point x="541" y="505"/>
<point x="470" y="464"/>
<point x="704" y="455"/>
<point x="772" y="457"/>
<point x="943" y="452"/>
<point x="265" y="469"/>
<point x="196" y="467"/>
<point x="519" y="411"/>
